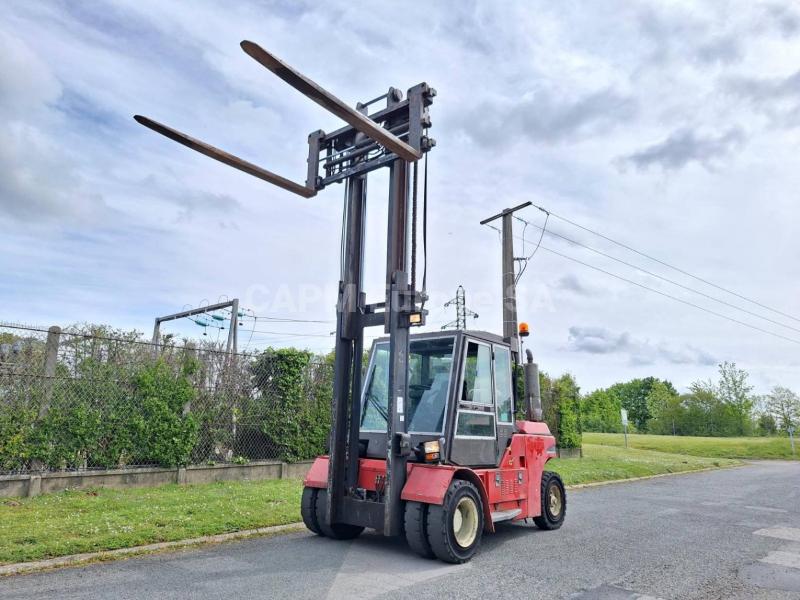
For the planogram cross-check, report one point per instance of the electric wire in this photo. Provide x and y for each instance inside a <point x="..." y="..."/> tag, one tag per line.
<point x="651" y="274"/>
<point x="686" y="302"/>
<point x="664" y="294"/>
<point x="666" y="264"/>
<point x="539" y="243"/>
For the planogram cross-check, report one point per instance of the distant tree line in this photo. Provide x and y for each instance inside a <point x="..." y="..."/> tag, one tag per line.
<point x="725" y="407"/>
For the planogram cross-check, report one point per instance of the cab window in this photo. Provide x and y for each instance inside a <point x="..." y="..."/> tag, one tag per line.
<point x="477" y="386"/>
<point x="502" y="384"/>
<point x="430" y="363"/>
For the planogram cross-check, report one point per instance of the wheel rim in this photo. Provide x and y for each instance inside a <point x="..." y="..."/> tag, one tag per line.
<point x="555" y="501"/>
<point x="465" y="522"/>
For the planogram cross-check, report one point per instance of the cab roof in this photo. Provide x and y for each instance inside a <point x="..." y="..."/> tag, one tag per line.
<point x="485" y="336"/>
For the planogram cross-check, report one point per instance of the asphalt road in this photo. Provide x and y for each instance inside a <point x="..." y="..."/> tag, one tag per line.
<point x="723" y="534"/>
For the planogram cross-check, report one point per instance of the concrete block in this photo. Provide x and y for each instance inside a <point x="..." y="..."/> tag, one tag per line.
<point x="34" y="485"/>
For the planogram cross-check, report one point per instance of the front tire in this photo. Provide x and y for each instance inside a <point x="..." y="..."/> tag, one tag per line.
<point x="554" y="502"/>
<point x="454" y="529"/>
<point x="416" y="524"/>
<point x="337" y="531"/>
<point x="308" y="509"/>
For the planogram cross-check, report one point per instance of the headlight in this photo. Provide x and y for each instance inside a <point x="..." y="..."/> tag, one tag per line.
<point x="431" y="450"/>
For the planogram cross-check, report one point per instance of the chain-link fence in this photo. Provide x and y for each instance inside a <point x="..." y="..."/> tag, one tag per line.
<point x="92" y="398"/>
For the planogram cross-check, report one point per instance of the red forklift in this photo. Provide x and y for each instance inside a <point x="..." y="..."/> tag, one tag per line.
<point x="427" y="445"/>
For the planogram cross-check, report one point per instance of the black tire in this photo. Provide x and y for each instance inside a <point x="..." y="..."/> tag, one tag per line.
<point x="308" y="509"/>
<point x="441" y="523"/>
<point x="553" y="512"/>
<point x="416" y="522"/>
<point x="337" y="531"/>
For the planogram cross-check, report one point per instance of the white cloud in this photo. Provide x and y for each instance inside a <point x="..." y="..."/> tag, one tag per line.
<point x="535" y="102"/>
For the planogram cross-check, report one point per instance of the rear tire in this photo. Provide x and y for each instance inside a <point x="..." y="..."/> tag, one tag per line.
<point x="416" y="522"/>
<point x="308" y="509"/>
<point x="455" y="528"/>
<point x="337" y="531"/>
<point x="554" y="502"/>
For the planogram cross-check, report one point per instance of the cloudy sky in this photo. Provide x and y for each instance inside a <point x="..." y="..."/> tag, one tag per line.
<point x="672" y="127"/>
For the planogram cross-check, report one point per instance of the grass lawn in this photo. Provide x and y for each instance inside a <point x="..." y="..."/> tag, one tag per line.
<point x="737" y="447"/>
<point x="103" y="519"/>
<point x="78" y="521"/>
<point x="604" y="463"/>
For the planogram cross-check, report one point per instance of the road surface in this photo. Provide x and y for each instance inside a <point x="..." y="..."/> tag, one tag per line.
<point x="724" y="534"/>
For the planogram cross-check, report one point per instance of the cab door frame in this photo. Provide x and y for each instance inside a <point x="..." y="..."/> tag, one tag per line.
<point x="466" y="449"/>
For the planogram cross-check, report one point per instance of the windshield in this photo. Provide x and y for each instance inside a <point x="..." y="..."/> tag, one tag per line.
<point x="429" y="366"/>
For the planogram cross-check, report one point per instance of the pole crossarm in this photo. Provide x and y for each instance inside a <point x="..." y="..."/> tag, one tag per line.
<point x="196" y="311"/>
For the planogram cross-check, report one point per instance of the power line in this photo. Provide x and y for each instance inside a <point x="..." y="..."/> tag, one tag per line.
<point x="772" y="333"/>
<point x="666" y="264"/>
<point x="671" y="297"/>
<point x="539" y="243"/>
<point x="650" y="273"/>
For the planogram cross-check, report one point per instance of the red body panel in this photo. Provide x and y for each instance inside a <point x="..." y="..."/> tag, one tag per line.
<point x="516" y="483"/>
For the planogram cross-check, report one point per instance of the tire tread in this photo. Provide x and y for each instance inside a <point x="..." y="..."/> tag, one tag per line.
<point x="544" y="521"/>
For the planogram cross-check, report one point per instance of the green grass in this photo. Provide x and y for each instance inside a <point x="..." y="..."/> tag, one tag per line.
<point x="605" y="463"/>
<point x="103" y="519"/>
<point x="738" y="447"/>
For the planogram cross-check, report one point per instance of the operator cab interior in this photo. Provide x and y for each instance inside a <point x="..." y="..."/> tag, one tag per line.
<point x="430" y="367"/>
<point x="460" y="389"/>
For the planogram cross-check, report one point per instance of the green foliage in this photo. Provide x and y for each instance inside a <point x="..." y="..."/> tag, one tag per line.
<point x="295" y="399"/>
<point x="600" y="412"/>
<point x="103" y="416"/>
<point x="737" y="395"/>
<point x="562" y="409"/>
<point x="766" y="425"/>
<point x="664" y="407"/>
<point x="722" y="408"/>
<point x="783" y="405"/>
<point x="633" y="397"/>
<point x="567" y="398"/>
<point x="165" y="428"/>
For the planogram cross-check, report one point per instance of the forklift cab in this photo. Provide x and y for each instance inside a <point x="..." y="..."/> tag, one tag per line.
<point x="460" y="392"/>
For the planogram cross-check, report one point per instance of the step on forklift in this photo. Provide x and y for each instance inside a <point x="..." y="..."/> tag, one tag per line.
<point x="427" y="445"/>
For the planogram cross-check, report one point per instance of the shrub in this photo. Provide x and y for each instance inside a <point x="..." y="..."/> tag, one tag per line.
<point x="295" y="402"/>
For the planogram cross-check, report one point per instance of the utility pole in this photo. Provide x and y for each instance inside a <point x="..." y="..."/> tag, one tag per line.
<point x="462" y="312"/>
<point x="233" y="330"/>
<point x="510" y="332"/>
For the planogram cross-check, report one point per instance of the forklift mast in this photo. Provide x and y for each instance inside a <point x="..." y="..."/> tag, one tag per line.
<point x="394" y="137"/>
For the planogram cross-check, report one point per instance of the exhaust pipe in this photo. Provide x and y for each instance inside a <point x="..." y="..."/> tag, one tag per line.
<point x="533" y="394"/>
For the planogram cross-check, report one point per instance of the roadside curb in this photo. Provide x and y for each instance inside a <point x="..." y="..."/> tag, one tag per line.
<point x="73" y="560"/>
<point x="90" y="557"/>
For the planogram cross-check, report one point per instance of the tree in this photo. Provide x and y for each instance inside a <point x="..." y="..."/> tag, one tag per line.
<point x="784" y="406"/>
<point x="600" y="412"/>
<point x="766" y="425"/>
<point x="736" y="394"/>
<point x="665" y="408"/>
<point x="633" y="398"/>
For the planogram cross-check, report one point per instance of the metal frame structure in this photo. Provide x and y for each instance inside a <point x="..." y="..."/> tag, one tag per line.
<point x="462" y="312"/>
<point x="393" y="137"/>
<point x="233" y="330"/>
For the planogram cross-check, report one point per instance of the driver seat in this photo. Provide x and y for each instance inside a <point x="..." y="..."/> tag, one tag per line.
<point x="431" y="406"/>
